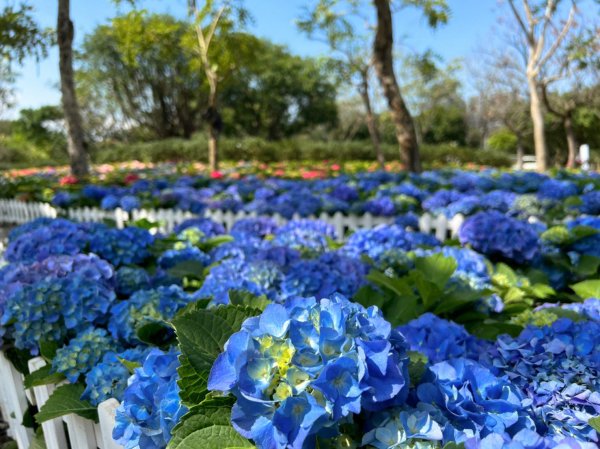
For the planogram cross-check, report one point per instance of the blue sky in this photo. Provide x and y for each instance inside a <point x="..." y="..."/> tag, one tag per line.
<point x="471" y="23"/>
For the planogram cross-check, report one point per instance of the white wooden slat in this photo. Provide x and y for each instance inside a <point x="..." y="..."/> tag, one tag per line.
<point x="15" y="402"/>
<point x="106" y="415"/>
<point x="54" y="434"/>
<point x="82" y="434"/>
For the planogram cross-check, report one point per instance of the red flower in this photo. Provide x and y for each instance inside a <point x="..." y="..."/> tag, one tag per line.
<point x="67" y="180"/>
<point x="335" y="167"/>
<point x="130" y="178"/>
<point x="216" y="174"/>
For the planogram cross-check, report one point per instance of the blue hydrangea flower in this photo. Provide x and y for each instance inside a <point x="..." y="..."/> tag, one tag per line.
<point x="130" y="279"/>
<point x="403" y="428"/>
<point x="108" y="379"/>
<point x="46" y="299"/>
<point x="144" y="306"/>
<point x="300" y="368"/>
<point x="441" y="340"/>
<point x="305" y="235"/>
<point x="472" y="400"/>
<point x="129" y="246"/>
<point x="554" y="189"/>
<point x="205" y="225"/>
<point x="82" y="353"/>
<point x="129" y="203"/>
<point x="590" y="203"/>
<point x="377" y="241"/>
<point x="258" y="227"/>
<point x="496" y="235"/>
<point x="174" y="257"/>
<point x="151" y="405"/>
<point x="57" y="237"/>
<point x="557" y="368"/>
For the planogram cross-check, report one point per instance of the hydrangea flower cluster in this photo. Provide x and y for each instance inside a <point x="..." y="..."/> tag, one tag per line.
<point x="41" y="239"/>
<point x="305" y="235"/>
<point x="144" y="306"/>
<point x="151" y="406"/>
<point x="82" y="353"/>
<point x="499" y="236"/>
<point x="127" y="246"/>
<point x="301" y="368"/>
<point x="108" y="379"/>
<point x="45" y="300"/>
<point x="375" y="242"/>
<point x="441" y="340"/>
<point x="558" y="368"/>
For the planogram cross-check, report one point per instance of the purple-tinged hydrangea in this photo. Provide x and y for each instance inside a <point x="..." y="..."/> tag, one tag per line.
<point x="305" y="235"/>
<point x="58" y="237"/>
<point x="558" y="370"/>
<point x="46" y="299"/>
<point x="498" y="236"/>
<point x="82" y="353"/>
<point x="258" y="227"/>
<point x="151" y="405"/>
<point x="173" y="257"/>
<point x="377" y="241"/>
<point x="108" y="379"/>
<point x="472" y="401"/>
<point x="301" y="368"/>
<point x="441" y="340"/>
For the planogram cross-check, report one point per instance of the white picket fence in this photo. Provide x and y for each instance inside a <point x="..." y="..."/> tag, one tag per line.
<point x="79" y="432"/>
<point x="19" y="212"/>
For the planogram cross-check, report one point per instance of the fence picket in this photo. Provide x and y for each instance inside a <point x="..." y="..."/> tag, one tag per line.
<point x="15" y="402"/>
<point x="54" y="433"/>
<point x="106" y="415"/>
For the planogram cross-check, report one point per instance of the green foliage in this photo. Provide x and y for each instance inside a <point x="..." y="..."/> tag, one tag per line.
<point x="587" y="289"/>
<point x="20" y="35"/>
<point x="145" y="68"/>
<point x="503" y="140"/>
<point x="65" y="400"/>
<point x="518" y="292"/>
<point x="202" y="335"/>
<point x="595" y="423"/>
<point x="42" y="376"/>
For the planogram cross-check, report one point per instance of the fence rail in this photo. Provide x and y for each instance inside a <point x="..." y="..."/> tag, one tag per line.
<point x="20" y="212"/>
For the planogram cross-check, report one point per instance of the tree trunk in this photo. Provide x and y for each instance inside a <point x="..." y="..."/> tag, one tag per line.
<point x="371" y="119"/>
<point x="572" y="145"/>
<point x="384" y="65"/>
<point x="75" y="136"/>
<point x="539" y="132"/>
<point x="213" y="148"/>
<point x="520" y="153"/>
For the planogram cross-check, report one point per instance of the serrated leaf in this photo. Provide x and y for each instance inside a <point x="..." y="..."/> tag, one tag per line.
<point x="42" y="376"/>
<point x="65" y="400"/>
<point x="587" y="289"/>
<point x="247" y="299"/>
<point x="156" y="333"/>
<point x="202" y="334"/>
<point x="192" y="384"/>
<point x="214" y="437"/>
<point x="48" y="350"/>
<point x="196" y="419"/>
<point x="595" y="423"/>
<point x="436" y="268"/>
<point x="588" y="265"/>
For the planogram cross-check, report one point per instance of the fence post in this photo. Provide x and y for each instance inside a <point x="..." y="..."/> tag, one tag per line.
<point x="11" y="383"/>
<point x="54" y="433"/>
<point x="106" y="415"/>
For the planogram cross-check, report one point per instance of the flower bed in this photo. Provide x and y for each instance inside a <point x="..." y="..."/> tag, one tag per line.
<point x="280" y="336"/>
<point x="387" y="194"/>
